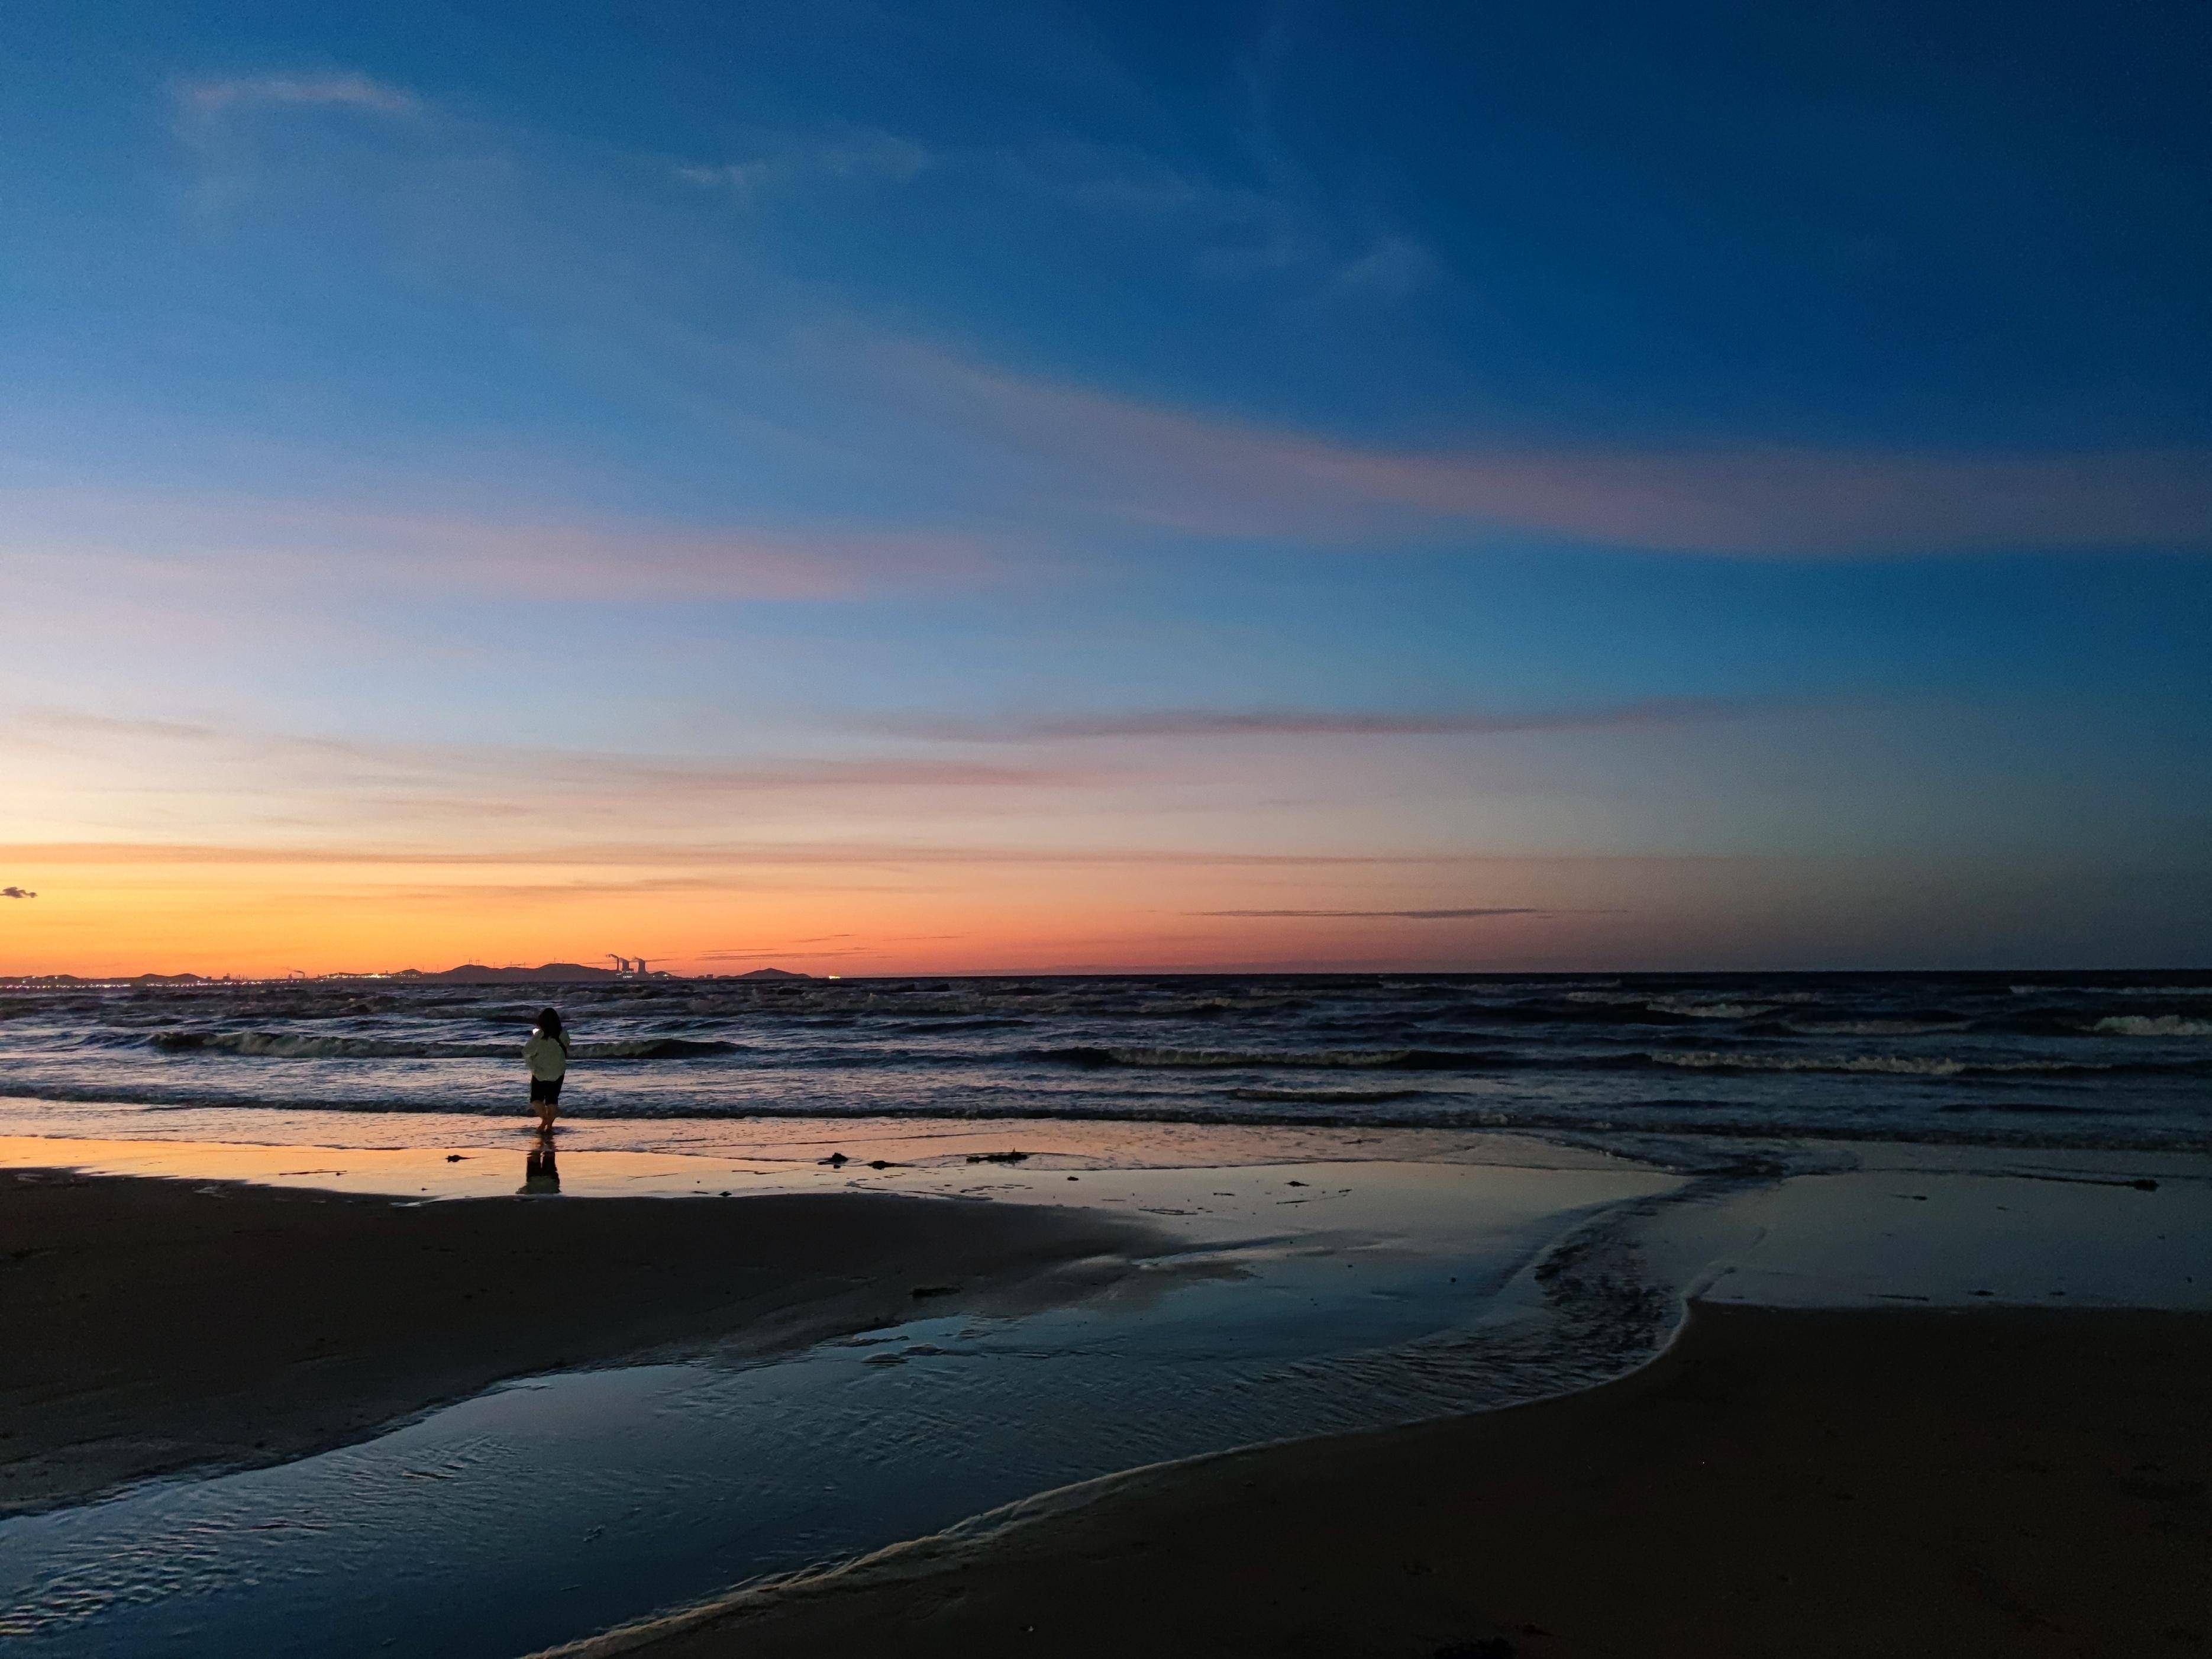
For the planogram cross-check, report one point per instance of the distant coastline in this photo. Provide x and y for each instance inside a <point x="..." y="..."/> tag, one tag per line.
<point x="471" y="973"/>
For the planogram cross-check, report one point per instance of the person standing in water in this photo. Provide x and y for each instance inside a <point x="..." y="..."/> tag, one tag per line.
<point x="546" y="1053"/>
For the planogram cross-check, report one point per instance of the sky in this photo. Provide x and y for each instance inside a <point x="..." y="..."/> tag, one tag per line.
<point x="871" y="488"/>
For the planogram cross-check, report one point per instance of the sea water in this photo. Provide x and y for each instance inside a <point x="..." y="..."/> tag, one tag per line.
<point x="2104" y="1060"/>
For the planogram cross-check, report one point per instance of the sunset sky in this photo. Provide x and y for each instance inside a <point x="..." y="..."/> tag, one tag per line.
<point x="883" y="487"/>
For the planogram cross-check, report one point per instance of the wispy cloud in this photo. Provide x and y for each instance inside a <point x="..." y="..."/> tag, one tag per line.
<point x="1306" y="722"/>
<point x="16" y="893"/>
<point x="772" y="854"/>
<point x="862" y="154"/>
<point x="330" y="91"/>
<point x="261" y="796"/>
<point x="1390" y="915"/>
<point x="1227" y="229"/>
<point x="495" y="771"/>
<point x="1209" y="474"/>
<point x="274" y="541"/>
<point x="1233" y="230"/>
<point x="1393" y="268"/>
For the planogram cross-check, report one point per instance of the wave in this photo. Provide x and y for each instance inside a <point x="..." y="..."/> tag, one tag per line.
<point x="1686" y="1007"/>
<point x="2202" y="989"/>
<point x="288" y="1045"/>
<point x="1576" y="1011"/>
<point x="1328" y="1096"/>
<point x="1348" y="1058"/>
<point x="1617" y="1007"/>
<point x="2024" y="1107"/>
<point x="659" y="1048"/>
<point x="1644" y="1118"/>
<point x="2153" y="1025"/>
<point x="945" y="1027"/>
<point x="1928" y="1066"/>
<point x="1871" y="1027"/>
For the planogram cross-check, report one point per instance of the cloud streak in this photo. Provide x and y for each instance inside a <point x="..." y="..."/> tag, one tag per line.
<point x="1308" y="722"/>
<point x="16" y="893"/>
<point x="1213" y="475"/>
<point x="793" y="854"/>
<point x="329" y="91"/>
<point x="860" y="154"/>
<point x="1462" y="914"/>
<point x="264" y="541"/>
<point x="487" y="773"/>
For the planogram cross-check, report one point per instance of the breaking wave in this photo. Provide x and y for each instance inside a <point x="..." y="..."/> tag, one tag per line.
<point x="2153" y="1025"/>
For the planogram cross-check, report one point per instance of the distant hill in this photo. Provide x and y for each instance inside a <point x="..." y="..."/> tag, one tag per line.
<point x="469" y="973"/>
<point x="117" y="979"/>
<point x="476" y="973"/>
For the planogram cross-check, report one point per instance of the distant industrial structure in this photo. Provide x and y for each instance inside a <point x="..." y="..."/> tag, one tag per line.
<point x="633" y="968"/>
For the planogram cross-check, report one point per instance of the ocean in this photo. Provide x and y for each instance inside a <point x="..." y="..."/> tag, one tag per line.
<point x="1686" y="1134"/>
<point x="2051" y="1059"/>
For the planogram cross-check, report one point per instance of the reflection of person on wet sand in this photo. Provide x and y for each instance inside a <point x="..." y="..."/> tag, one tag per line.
<point x="539" y="1173"/>
<point x="546" y="1053"/>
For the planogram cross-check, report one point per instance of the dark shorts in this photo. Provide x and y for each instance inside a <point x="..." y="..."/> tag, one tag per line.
<point x="544" y="1091"/>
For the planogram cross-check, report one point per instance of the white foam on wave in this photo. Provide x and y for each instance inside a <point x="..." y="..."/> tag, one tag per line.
<point x="1713" y="1010"/>
<point x="1694" y="1007"/>
<point x="2153" y="1025"/>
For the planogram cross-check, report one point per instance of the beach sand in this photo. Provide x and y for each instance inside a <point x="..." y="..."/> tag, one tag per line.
<point x="1788" y="1483"/>
<point x="154" y="1326"/>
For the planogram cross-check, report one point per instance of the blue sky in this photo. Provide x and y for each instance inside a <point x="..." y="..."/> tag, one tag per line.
<point x="656" y="445"/>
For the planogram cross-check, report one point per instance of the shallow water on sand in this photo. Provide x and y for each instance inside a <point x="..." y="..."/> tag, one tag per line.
<point x="1309" y="1298"/>
<point x="1294" y="1298"/>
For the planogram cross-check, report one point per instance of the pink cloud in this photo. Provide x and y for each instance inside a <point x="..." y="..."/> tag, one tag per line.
<point x="274" y="541"/>
<point x="1211" y="475"/>
<point x="1307" y="722"/>
<point x="792" y="854"/>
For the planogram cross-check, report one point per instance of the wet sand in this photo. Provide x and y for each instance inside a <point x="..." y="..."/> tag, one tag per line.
<point x="1999" y="1481"/>
<point x="156" y="1326"/>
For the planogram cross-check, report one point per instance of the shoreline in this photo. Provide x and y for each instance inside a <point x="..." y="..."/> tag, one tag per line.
<point x="1991" y="1481"/>
<point x="158" y="1328"/>
<point x="79" y="1112"/>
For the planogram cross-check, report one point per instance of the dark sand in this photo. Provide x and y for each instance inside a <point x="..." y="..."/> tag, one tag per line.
<point x="149" y="1327"/>
<point x="1921" y="1483"/>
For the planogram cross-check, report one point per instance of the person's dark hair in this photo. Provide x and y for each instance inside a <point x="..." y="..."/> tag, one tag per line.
<point x="549" y="1021"/>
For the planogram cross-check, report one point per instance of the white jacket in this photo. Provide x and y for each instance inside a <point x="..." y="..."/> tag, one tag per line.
<point x="547" y="1060"/>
